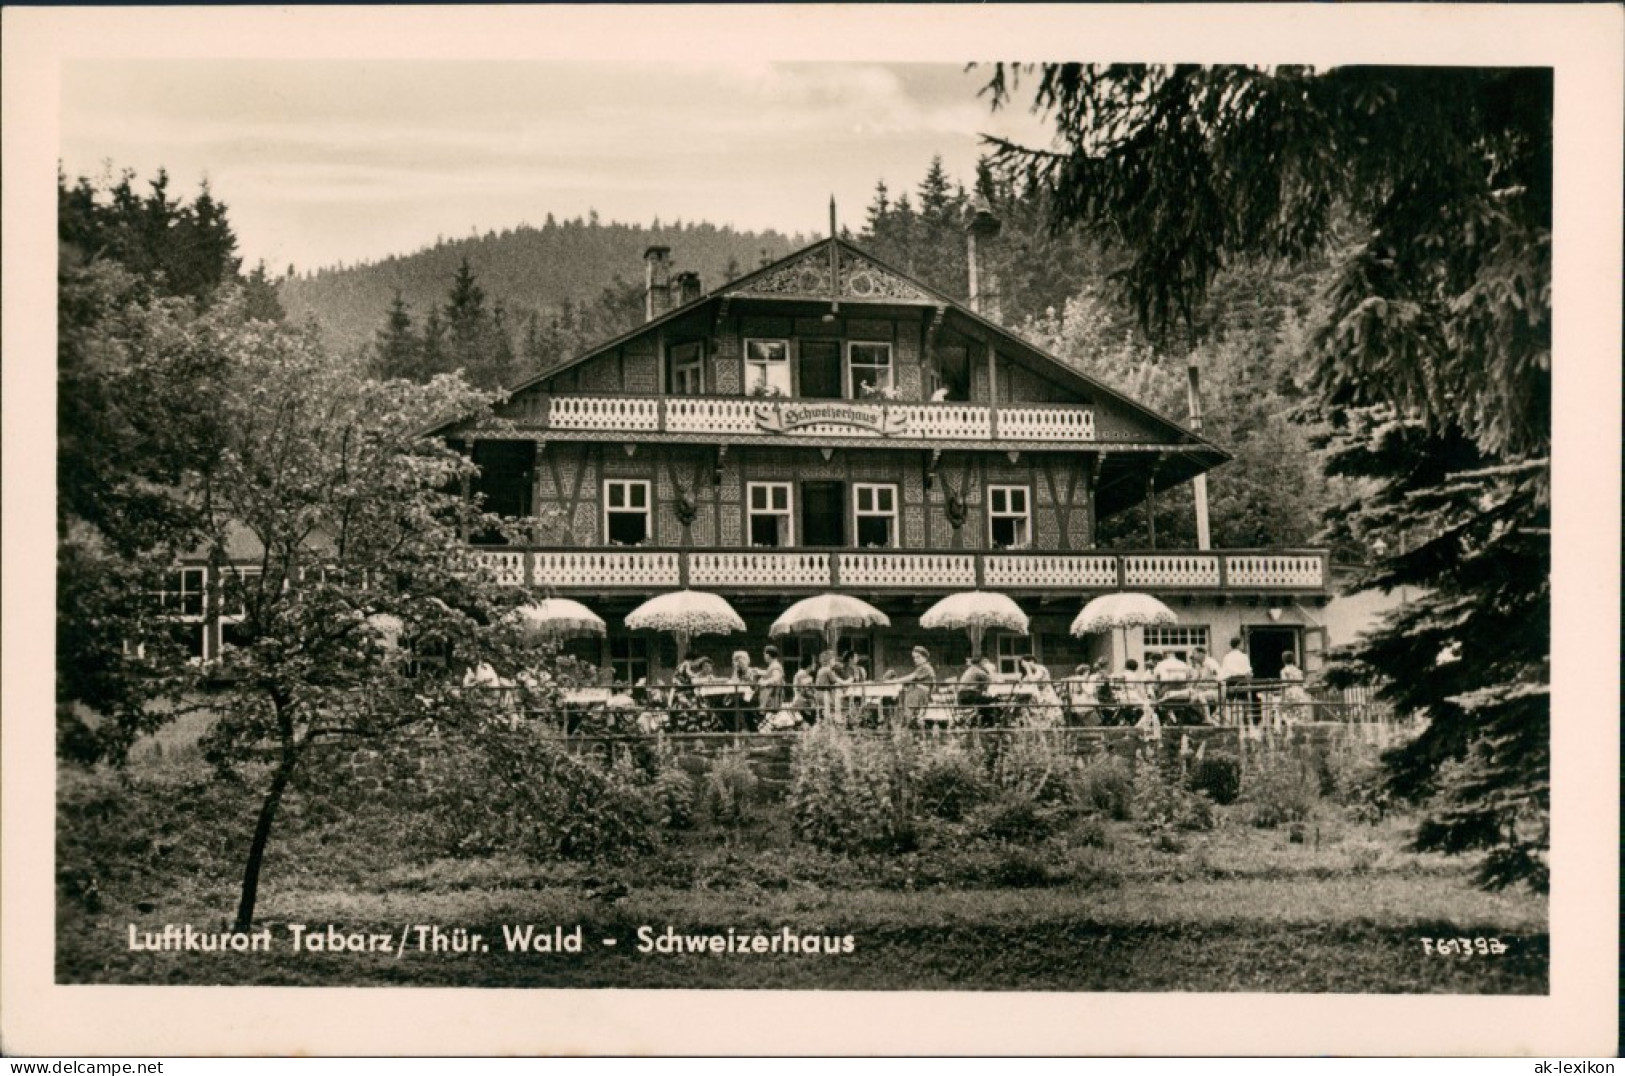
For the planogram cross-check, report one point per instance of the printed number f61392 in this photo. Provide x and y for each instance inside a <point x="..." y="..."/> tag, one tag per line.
<point x="1464" y="946"/>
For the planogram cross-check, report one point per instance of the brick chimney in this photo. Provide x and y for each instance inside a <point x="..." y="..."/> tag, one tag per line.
<point x="656" y="282"/>
<point x="984" y="287"/>
<point x="688" y="287"/>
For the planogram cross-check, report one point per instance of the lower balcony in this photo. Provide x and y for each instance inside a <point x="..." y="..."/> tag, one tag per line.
<point x="1238" y="572"/>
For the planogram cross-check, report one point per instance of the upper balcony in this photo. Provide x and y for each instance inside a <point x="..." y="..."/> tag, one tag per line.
<point x="739" y="419"/>
<point x="1232" y="573"/>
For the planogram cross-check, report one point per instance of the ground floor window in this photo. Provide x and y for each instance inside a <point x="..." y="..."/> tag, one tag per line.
<point x="183" y="592"/>
<point x="629" y="659"/>
<point x="875" y="509"/>
<point x="626" y="511"/>
<point x="1010" y="649"/>
<point x="769" y="514"/>
<point x="1177" y="640"/>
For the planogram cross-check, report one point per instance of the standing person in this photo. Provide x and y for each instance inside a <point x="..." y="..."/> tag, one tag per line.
<point x="742" y="715"/>
<point x="802" y="701"/>
<point x="827" y="685"/>
<point x="1295" y="699"/>
<point x="917" y="684"/>
<point x="770" y="682"/>
<point x="1236" y="674"/>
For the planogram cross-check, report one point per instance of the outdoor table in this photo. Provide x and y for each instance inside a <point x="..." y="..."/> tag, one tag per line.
<point x="879" y="695"/>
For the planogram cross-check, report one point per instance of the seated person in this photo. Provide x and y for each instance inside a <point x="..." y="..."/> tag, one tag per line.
<point x="973" y="685"/>
<point x="1135" y="694"/>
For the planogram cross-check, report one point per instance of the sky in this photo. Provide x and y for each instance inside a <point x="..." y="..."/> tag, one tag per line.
<point x="321" y="161"/>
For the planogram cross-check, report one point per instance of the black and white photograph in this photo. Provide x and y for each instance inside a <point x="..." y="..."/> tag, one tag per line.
<point x="729" y="507"/>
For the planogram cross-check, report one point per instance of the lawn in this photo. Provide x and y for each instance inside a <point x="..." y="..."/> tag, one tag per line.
<point x="1331" y="904"/>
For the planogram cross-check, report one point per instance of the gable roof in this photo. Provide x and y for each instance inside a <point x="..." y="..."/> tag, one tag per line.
<point x="864" y="280"/>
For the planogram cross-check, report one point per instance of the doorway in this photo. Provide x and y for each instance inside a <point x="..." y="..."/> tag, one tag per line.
<point x="1266" y="645"/>
<point x="823" y="513"/>
<point x="819" y="369"/>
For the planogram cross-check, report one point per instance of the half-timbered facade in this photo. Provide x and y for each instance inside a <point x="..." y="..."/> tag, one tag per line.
<point x="828" y="424"/>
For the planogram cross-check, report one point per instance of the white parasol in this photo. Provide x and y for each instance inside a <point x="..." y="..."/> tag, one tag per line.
<point x="685" y="614"/>
<point x="829" y="614"/>
<point x="974" y="611"/>
<point x="1121" y="611"/>
<point x="557" y="619"/>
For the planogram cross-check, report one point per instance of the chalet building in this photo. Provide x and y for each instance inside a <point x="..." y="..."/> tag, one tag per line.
<point x="828" y="424"/>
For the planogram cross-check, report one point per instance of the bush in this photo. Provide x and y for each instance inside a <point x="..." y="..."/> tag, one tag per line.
<point x="1104" y="783"/>
<point x="1352" y="775"/>
<point x="674" y="796"/>
<point x="1016" y="819"/>
<point x="846" y="793"/>
<point x="729" y="791"/>
<point x="1035" y="766"/>
<point x="1161" y="802"/>
<point x="947" y="782"/>
<point x="1217" y="777"/>
<point x="1020" y="868"/>
<point x="1283" y="788"/>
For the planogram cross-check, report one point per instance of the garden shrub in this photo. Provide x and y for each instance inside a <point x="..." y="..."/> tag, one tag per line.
<point x="1091" y="833"/>
<point x="1104" y="783"/>
<point x="1163" y="802"/>
<point x="1283" y="788"/>
<point x="845" y="791"/>
<point x="1218" y="777"/>
<point x="948" y="782"/>
<point x="1352" y="775"/>
<point x="1035" y="766"/>
<point x="730" y="787"/>
<point x="1017" y="819"/>
<point x="1021" y="868"/>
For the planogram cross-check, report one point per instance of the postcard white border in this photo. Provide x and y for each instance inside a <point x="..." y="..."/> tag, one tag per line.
<point x="1583" y="43"/>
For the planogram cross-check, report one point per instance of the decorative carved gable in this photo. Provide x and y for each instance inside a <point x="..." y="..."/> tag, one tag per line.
<point x="807" y="277"/>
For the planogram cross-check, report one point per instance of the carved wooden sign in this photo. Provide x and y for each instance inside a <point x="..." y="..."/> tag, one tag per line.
<point x="787" y="417"/>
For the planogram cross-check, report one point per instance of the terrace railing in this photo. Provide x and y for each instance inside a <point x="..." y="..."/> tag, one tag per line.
<point x="741" y="416"/>
<point x="809" y="569"/>
<point x="723" y="706"/>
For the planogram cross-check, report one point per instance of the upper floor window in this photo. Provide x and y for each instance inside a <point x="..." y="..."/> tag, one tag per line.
<point x="768" y="513"/>
<point x="1009" y="519"/>
<point x="688" y="370"/>
<point x="626" y="511"/>
<point x="875" y="509"/>
<point x="870" y="369"/>
<point x="767" y="367"/>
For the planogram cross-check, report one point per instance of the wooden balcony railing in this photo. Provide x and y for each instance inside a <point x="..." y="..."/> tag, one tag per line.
<point x="862" y="570"/>
<point x="740" y="416"/>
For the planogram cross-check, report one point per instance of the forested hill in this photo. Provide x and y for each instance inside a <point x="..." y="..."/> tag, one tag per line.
<point x="527" y="269"/>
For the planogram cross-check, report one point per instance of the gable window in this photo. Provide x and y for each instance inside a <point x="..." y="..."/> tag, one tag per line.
<point x="767" y="367"/>
<point x="875" y="511"/>
<point x="869" y="368"/>
<point x="688" y="370"/>
<point x="1008" y="517"/>
<point x="768" y="513"/>
<point x="626" y="511"/>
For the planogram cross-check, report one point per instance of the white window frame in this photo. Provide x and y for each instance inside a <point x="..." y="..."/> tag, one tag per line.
<point x="1018" y="646"/>
<point x="766" y="366"/>
<point x="696" y="364"/>
<point x="176" y="598"/>
<point x="854" y="382"/>
<point x="647" y="510"/>
<point x="788" y="513"/>
<point x="858" y="513"/>
<point x="1178" y="639"/>
<point x="240" y="577"/>
<point x="1026" y="515"/>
